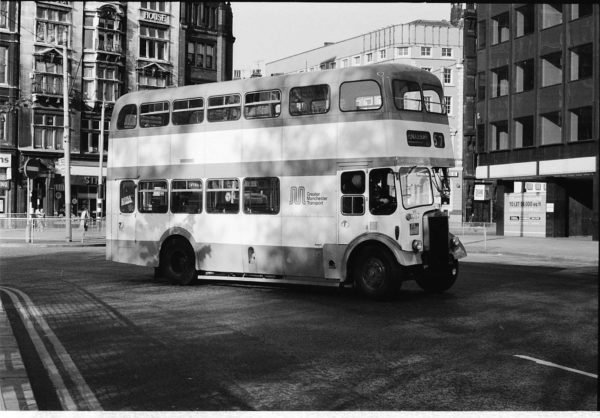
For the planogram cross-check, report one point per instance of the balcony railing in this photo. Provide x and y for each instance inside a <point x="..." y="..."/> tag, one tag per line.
<point x="108" y="47"/>
<point x="48" y="89"/>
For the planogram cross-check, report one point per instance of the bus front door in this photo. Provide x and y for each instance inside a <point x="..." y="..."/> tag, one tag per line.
<point x="351" y="219"/>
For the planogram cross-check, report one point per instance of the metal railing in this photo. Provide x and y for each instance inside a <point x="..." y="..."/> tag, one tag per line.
<point x="18" y="227"/>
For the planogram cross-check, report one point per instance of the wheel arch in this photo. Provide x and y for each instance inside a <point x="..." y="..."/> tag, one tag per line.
<point x="363" y="241"/>
<point x="176" y="233"/>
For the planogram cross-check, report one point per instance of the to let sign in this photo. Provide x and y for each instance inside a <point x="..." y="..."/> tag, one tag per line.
<point x="33" y="168"/>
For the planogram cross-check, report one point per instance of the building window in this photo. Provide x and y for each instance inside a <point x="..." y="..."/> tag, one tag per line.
<point x="525" y="16"/>
<point x="481" y="81"/>
<point x="524" y="76"/>
<point x="446" y="52"/>
<point x="579" y="10"/>
<point x="481" y="34"/>
<point x="402" y="51"/>
<point x="201" y="55"/>
<point x="480" y="138"/>
<point x="552" y="14"/>
<point x="202" y="14"/>
<point x="499" y="135"/>
<point x="582" y="62"/>
<point x="382" y="54"/>
<point x="2" y="126"/>
<point x="4" y="14"/>
<point x="524" y="132"/>
<point x="345" y="63"/>
<point x="551" y="128"/>
<point x="551" y="69"/>
<point x="500" y="28"/>
<point x="448" y="104"/>
<point x="159" y="6"/>
<point x="425" y="51"/>
<point x="500" y="81"/>
<point x="51" y="26"/>
<point x="447" y="76"/>
<point x="48" y="131"/>
<point x="154" y="43"/>
<point x="3" y="64"/>
<point x="370" y="57"/>
<point x="147" y="81"/>
<point x="426" y="69"/>
<point x="581" y="123"/>
<point x="90" y="134"/>
<point x="357" y="60"/>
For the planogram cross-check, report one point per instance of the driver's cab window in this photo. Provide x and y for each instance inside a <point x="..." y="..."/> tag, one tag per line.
<point x="382" y="191"/>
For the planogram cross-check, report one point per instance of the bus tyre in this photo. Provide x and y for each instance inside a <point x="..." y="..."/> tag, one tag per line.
<point x="440" y="282"/>
<point x="178" y="262"/>
<point x="375" y="273"/>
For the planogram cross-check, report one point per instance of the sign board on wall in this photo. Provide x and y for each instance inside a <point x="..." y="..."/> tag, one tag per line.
<point x="525" y="214"/>
<point x="481" y="192"/>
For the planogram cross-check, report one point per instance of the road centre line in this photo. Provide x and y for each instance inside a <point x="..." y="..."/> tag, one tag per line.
<point x="29" y="313"/>
<point x="547" y="363"/>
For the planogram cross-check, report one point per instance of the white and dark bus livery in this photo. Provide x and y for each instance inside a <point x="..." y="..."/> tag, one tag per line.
<point x="332" y="177"/>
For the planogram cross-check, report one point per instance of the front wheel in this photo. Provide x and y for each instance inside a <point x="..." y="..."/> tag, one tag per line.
<point x="439" y="282"/>
<point x="178" y="262"/>
<point x="375" y="274"/>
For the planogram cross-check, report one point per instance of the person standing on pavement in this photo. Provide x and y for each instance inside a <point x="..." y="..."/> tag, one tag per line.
<point x="84" y="219"/>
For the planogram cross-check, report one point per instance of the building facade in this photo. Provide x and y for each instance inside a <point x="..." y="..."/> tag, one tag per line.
<point x="436" y="46"/>
<point x="536" y="118"/>
<point x="107" y="49"/>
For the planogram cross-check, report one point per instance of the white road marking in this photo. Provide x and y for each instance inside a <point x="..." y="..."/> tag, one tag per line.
<point x="29" y="313"/>
<point x="547" y="363"/>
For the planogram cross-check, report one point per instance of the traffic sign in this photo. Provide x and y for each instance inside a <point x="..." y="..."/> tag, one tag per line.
<point x="32" y="168"/>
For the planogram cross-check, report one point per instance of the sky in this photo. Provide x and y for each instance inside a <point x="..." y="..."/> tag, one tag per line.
<point x="267" y="32"/>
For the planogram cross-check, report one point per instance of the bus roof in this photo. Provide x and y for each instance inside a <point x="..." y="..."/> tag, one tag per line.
<point x="374" y="71"/>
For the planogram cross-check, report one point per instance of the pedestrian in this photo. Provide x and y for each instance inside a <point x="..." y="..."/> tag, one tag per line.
<point x="84" y="219"/>
<point x="38" y="219"/>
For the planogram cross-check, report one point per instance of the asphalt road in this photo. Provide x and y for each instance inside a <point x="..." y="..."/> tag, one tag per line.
<point x="135" y="343"/>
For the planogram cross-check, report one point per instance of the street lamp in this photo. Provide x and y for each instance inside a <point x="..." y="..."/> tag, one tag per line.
<point x="66" y="139"/>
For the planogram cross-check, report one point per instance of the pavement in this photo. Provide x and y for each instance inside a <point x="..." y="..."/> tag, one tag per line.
<point x="15" y="389"/>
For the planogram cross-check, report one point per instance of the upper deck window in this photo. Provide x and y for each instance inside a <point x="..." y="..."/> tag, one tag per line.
<point x="154" y="114"/>
<point x="407" y="95"/>
<point x="309" y="100"/>
<point x="360" y="95"/>
<point x="188" y="112"/>
<point x="433" y="97"/>
<point x="224" y="108"/>
<point x="262" y="104"/>
<point x="127" y="118"/>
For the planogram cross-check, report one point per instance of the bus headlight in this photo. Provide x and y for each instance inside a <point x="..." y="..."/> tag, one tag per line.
<point x="417" y="245"/>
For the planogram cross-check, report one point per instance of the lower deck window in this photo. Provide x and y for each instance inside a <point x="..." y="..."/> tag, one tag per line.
<point x="223" y="196"/>
<point x="261" y="195"/>
<point x="186" y="196"/>
<point x="152" y="196"/>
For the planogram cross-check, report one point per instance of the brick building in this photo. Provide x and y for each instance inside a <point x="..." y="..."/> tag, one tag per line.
<point x="112" y="48"/>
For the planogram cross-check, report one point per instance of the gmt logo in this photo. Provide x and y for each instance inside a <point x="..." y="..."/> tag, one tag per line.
<point x="299" y="196"/>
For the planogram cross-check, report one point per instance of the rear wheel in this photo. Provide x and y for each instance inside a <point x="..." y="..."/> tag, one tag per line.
<point x="178" y="262"/>
<point x="375" y="273"/>
<point x="441" y="281"/>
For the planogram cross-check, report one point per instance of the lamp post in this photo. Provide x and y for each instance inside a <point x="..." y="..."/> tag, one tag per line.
<point x="66" y="139"/>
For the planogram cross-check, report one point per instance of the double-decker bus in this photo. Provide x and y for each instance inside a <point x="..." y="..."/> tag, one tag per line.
<point x="333" y="177"/>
